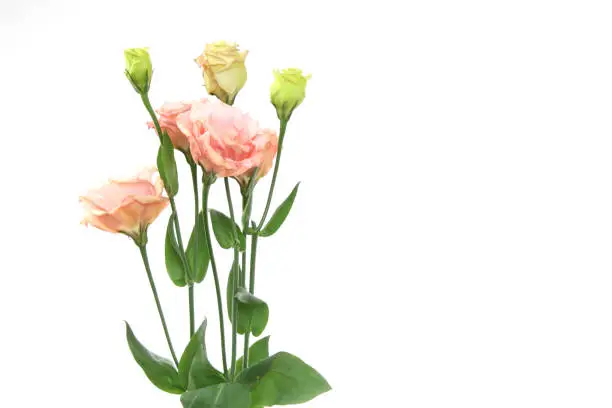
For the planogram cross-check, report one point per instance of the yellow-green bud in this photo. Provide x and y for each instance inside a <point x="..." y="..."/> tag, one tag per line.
<point x="287" y="91"/>
<point x="138" y="69"/>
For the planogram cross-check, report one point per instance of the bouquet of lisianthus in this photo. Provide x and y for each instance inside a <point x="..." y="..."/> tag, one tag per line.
<point x="225" y="144"/>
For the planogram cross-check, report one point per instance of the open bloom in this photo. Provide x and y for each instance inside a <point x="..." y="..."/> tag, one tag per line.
<point x="226" y="141"/>
<point x="223" y="68"/>
<point x="127" y="206"/>
<point x="167" y="121"/>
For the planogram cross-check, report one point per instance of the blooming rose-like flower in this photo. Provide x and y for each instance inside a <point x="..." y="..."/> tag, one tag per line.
<point x="167" y="121"/>
<point x="126" y="206"/>
<point x="226" y="141"/>
<point x="223" y="68"/>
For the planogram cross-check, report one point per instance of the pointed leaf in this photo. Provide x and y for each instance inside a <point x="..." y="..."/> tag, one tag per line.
<point x="195" y="371"/>
<point x="283" y="379"/>
<point x="159" y="370"/>
<point x="230" y="288"/>
<point x="257" y="352"/>
<point x="280" y="214"/>
<point x="224" y="232"/>
<point x="226" y="395"/>
<point x="199" y="254"/>
<point x="174" y="262"/>
<point x="252" y="313"/>
<point x="166" y="164"/>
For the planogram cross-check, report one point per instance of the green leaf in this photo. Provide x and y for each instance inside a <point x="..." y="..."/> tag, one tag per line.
<point x="230" y="288"/>
<point x="226" y="395"/>
<point x="174" y="262"/>
<point x="203" y="256"/>
<point x="252" y="313"/>
<point x="257" y="352"/>
<point x="222" y="227"/>
<point x="280" y="214"/>
<point x="158" y="369"/>
<point x="283" y="379"/>
<point x="166" y="165"/>
<point x="195" y="371"/>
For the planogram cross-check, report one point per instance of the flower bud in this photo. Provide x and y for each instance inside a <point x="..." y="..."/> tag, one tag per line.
<point x="138" y="69"/>
<point x="287" y="91"/>
<point x="223" y="70"/>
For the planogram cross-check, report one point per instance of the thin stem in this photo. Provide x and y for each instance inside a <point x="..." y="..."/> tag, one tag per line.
<point x="191" y="310"/>
<point x="281" y="137"/>
<point x="147" y="104"/>
<point x="145" y="260"/>
<point x="213" y="264"/>
<point x="236" y="279"/>
<point x="253" y="259"/>
<point x="246" y="209"/>
<point x="196" y="233"/>
<point x="245" y="358"/>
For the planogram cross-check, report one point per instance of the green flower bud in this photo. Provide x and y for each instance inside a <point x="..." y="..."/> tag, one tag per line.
<point x="287" y="91"/>
<point x="138" y="69"/>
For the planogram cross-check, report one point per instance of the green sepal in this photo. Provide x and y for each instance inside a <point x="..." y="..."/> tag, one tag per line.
<point x="174" y="262"/>
<point x="283" y="379"/>
<point x="280" y="214"/>
<point x="159" y="370"/>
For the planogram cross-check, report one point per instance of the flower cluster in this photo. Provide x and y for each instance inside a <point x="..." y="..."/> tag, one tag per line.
<point x="220" y="141"/>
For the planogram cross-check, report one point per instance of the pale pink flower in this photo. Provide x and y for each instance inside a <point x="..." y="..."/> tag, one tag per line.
<point x="226" y="141"/>
<point x="126" y="206"/>
<point x="167" y="121"/>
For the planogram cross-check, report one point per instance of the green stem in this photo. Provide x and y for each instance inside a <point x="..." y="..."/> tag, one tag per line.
<point x="245" y="358"/>
<point x="281" y="137"/>
<point x="145" y="260"/>
<point x="246" y="209"/>
<point x="196" y="233"/>
<point x="213" y="264"/>
<point x="147" y="103"/>
<point x="236" y="279"/>
<point x="191" y="311"/>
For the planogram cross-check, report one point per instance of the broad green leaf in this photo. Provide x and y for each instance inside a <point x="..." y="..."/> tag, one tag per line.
<point x="283" y="379"/>
<point x="203" y="256"/>
<point x="159" y="370"/>
<point x="252" y="313"/>
<point x="166" y="165"/>
<point x="174" y="262"/>
<point x="257" y="352"/>
<point x="224" y="232"/>
<point x="202" y="373"/>
<point x="225" y="395"/>
<point x="230" y="288"/>
<point x="280" y="214"/>
<point x="195" y="371"/>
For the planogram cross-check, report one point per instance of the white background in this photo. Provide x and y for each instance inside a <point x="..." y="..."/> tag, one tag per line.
<point x="450" y="243"/>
